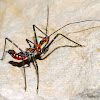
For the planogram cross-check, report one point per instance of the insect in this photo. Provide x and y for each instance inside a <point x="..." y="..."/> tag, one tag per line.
<point x="38" y="47"/>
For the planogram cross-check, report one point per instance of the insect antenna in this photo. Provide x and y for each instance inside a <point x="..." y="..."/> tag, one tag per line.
<point x="71" y="24"/>
<point x="47" y="19"/>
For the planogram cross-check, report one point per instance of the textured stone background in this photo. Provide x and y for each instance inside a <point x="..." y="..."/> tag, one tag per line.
<point x="68" y="73"/>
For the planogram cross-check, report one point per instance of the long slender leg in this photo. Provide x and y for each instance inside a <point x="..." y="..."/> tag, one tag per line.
<point x="25" y="78"/>
<point x="56" y="37"/>
<point x="39" y="30"/>
<point x="69" y="33"/>
<point x="5" y="47"/>
<point x="36" y="41"/>
<point x="37" y="72"/>
<point x="24" y="74"/>
<point x="28" y="41"/>
<point x="34" y="26"/>
<point x="42" y="58"/>
<point x="22" y="57"/>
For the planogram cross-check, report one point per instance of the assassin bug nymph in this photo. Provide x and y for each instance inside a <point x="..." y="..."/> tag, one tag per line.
<point x="38" y="48"/>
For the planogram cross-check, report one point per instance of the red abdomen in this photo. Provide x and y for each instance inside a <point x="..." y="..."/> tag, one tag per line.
<point x="18" y="57"/>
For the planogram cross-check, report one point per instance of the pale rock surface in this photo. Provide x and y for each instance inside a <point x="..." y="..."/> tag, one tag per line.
<point x="68" y="73"/>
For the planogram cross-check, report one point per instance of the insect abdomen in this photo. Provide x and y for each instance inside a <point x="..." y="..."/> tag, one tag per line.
<point x="15" y="55"/>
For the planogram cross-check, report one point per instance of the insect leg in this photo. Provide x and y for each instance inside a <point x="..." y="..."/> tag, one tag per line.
<point x="5" y="47"/>
<point x="39" y="30"/>
<point x="24" y="74"/>
<point x="37" y="72"/>
<point x="42" y="58"/>
<point x="22" y="57"/>
<point x="64" y="37"/>
<point x="28" y="41"/>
